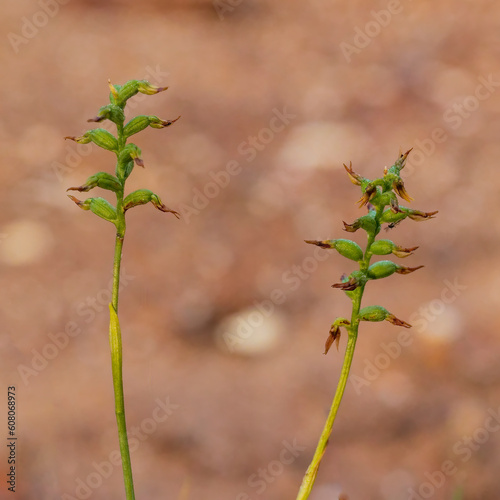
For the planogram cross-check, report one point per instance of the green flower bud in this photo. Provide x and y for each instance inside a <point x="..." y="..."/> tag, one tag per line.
<point x="110" y="112"/>
<point x="100" y="137"/>
<point x="102" y="180"/>
<point x="120" y="94"/>
<point x="385" y="247"/>
<point x="373" y="313"/>
<point x="129" y="155"/>
<point x="155" y="122"/>
<point x="382" y="269"/>
<point x="367" y="222"/>
<point x="381" y="247"/>
<point x="143" y="196"/>
<point x="125" y="92"/>
<point x="385" y="268"/>
<point x="379" y="313"/>
<point x="391" y="217"/>
<point x="141" y="122"/>
<point x="346" y="248"/>
<point x="99" y="206"/>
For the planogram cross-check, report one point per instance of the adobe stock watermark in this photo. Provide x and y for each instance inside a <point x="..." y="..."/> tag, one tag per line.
<point x="454" y="117"/>
<point x="137" y="435"/>
<point x="293" y="279"/>
<point x="75" y="153"/>
<point x="267" y="475"/>
<point x="420" y="320"/>
<point x="249" y="149"/>
<point x="463" y="449"/>
<point x="363" y="37"/>
<point x="223" y="7"/>
<point x="31" y="26"/>
<point x="59" y="341"/>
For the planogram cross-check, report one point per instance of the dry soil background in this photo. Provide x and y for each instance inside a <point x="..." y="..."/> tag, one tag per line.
<point x="225" y="312"/>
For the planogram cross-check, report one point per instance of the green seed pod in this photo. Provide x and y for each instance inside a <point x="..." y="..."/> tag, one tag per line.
<point x="391" y="217"/>
<point x="346" y="248"/>
<point x="104" y="139"/>
<point x="382" y="269"/>
<point x="99" y="206"/>
<point x="379" y="313"/>
<point x="110" y="112"/>
<point x="382" y="247"/>
<point x="135" y="125"/>
<point x="373" y="313"/>
<point x="141" y="122"/>
<point x="102" y="180"/>
<point x="103" y="209"/>
<point x="143" y="196"/>
<point x="156" y="122"/>
<point x="125" y="92"/>
<point x="367" y="222"/>
<point x="98" y="136"/>
<point x="129" y="155"/>
<point x="126" y="170"/>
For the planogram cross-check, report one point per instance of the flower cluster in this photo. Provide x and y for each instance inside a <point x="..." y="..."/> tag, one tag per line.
<point x="381" y="198"/>
<point x="127" y="155"/>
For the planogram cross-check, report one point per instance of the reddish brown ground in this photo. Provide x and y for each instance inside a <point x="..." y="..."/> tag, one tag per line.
<point x="194" y="280"/>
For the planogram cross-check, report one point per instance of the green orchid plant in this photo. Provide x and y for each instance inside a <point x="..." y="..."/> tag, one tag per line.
<point x="381" y="197"/>
<point x="127" y="156"/>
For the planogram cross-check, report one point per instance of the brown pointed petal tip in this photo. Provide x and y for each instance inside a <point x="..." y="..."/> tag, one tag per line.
<point x="165" y="209"/>
<point x="333" y="336"/>
<point x="139" y="161"/>
<point x="403" y="252"/>
<point x="348" y="286"/>
<point x="319" y="243"/>
<point x="76" y="200"/>
<point x="96" y="119"/>
<point x="350" y="228"/>
<point x="403" y="156"/>
<point x="76" y="188"/>
<point x="419" y="216"/>
<point x="408" y="270"/>
<point x="398" y="322"/>
<point x="353" y="176"/>
<point x="72" y="137"/>
<point x="399" y="187"/>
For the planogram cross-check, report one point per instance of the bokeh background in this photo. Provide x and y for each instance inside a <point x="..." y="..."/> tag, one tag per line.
<point x="225" y="312"/>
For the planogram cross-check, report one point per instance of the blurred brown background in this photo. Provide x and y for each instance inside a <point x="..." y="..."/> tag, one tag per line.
<point x="225" y="312"/>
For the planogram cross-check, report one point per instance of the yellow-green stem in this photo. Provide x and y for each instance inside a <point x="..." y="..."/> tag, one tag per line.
<point x="312" y="471"/>
<point x="116" y="366"/>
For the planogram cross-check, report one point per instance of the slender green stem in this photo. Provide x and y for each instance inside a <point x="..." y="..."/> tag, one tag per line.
<point x="116" y="342"/>
<point x="312" y="471"/>
<point x="116" y="361"/>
